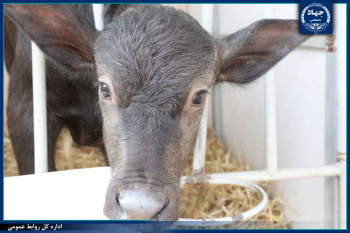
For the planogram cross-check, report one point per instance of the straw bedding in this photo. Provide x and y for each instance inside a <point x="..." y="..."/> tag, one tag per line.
<point x="199" y="201"/>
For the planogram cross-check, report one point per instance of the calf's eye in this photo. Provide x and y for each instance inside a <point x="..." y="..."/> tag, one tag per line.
<point x="199" y="98"/>
<point x="105" y="92"/>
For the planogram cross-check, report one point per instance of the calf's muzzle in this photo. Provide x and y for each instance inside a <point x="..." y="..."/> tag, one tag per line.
<point x="141" y="205"/>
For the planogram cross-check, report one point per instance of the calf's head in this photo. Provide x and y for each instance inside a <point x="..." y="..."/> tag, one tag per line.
<point x="154" y="66"/>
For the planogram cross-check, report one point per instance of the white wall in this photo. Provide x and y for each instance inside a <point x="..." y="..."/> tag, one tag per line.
<point x="300" y="99"/>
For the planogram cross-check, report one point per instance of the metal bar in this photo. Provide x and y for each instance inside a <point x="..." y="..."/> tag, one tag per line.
<point x="39" y="110"/>
<point x="270" y="122"/>
<point x="98" y="15"/>
<point x="270" y="110"/>
<point x="280" y="174"/>
<point x="216" y="91"/>
<point x="256" y="209"/>
<point x="217" y="110"/>
<point x="207" y="17"/>
<point x="340" y="75"/>
<point x="200" y="147"/>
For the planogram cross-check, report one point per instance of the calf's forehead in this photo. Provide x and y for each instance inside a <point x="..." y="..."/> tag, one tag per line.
<point x="155" y="45"/>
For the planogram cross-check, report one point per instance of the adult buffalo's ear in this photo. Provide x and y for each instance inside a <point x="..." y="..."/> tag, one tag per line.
<point x="250" y="52"/>
<point x="59" y="31"/>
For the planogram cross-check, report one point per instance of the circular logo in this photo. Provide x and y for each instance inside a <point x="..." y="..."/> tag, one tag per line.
<point x="315" y="17"/>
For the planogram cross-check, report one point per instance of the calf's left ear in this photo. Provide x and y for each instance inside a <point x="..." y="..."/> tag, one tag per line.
<point x="249" y="53"/>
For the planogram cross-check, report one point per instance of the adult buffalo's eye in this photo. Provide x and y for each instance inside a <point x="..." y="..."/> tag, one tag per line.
<point x="199" y="98"/>
<point x="105" y="92"/>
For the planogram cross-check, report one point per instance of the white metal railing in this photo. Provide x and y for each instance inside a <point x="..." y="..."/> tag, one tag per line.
<point x="39" y="110"/>
<point x="98" y="16"/>
<point x="200" y="147"/>
<point x="270" y="110"/>
<point x="272" y="172"/>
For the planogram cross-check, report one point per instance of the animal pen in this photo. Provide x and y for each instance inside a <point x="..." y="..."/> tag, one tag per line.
<point x="95" y="180"/>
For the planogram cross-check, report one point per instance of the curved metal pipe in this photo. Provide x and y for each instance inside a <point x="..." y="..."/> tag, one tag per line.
<point x="227" y="220"/>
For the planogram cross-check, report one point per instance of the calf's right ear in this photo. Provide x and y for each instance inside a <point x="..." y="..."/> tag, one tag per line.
<point x="60" y="32"/>
<point x="249" y="53"/>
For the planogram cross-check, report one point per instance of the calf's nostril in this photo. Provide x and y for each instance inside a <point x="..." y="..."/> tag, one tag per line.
<point x="140" y="205"/>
